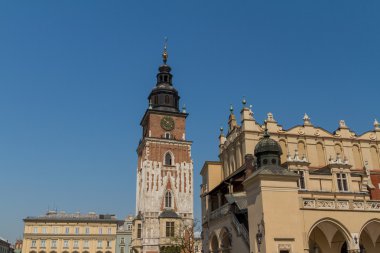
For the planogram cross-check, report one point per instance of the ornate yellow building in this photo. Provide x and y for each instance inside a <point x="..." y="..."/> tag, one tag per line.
<point x="290" y="191"/>
<point x="70" y="233"/>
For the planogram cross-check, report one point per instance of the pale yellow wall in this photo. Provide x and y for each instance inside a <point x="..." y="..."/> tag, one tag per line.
<point x="60" y="236"/>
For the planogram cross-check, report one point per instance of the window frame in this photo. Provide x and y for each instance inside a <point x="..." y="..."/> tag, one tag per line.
<point x="168" y="199"/>
<point x="169" y="229"/>
<point x="342" y="181"/>
<point x="139" y="231"/>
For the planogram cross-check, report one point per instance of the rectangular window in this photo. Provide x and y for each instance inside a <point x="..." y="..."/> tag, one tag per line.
<point x="65" y="243"/>
<point x="100" y="231"/>
<point x="55" y="230"/>
<point x="138" y="230"/>
<point x="44" y="230"/>
<point x="108" y="244"/>
<point x="122" y="249"/>
<point x="67" y="230"/>
<point x="129" y="227"/>
<point x="54" y="244"/>
<point x="170" y="229"/>
<point x="301" y="180"/>
<point x="85" y="244"/>
<point x="100" y="244"/>
<point x="76" y="230"/>
<point x="87" y="231"/>
<point x="43" y="243"/>
<point x="35" y="230"/>
<point x="76" y="244"/>
<point x="33" y="243"/>
<point x="109" y="231"/>
<point x="342" y="182"/>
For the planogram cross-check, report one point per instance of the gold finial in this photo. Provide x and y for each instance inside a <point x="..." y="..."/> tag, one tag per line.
<point x="165" y="52"/>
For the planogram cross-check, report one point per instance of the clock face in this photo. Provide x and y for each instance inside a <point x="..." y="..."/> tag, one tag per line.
<point x="167" y="123"/>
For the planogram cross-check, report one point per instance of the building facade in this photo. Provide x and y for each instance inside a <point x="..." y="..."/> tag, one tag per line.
<point x="164" y="193"/>
<point x="59" y="232"/>
<point x="18" y="246"/>
<point x="304" y="189"/>
<point x="124" y="236"/>
<point x="5" y="246"/>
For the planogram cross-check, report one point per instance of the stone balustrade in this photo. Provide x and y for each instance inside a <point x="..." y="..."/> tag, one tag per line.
<point x="333" y="204"/>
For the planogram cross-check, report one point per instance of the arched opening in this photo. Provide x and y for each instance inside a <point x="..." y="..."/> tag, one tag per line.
<point x="168" y="159"/>
<point x="301" y="149"/>
<point x="214" y="244"/>
<point x="284" y="150"/>
<point x="168" y="199"/>
<point x="225" y="241"/>
<point x="375" y="158"/>
<point x="370" y="237"/>
<point x="328" y="236"/>
<point x="357" y="157"/>
<point x="167" y="99"/>
<point x="338" y="150"/>
<point x="321" y="155"/>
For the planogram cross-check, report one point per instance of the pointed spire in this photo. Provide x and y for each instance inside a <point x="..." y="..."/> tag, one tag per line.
<point x="306" y="119"/>
<point x="165" y="52"/>
<point x="376" y="124"/>
<point x="232" y="119"/>
<point x="266" y="134"/>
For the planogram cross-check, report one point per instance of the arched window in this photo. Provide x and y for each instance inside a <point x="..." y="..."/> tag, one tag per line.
<point x="301" y="149"/>
<point x="155" y="100"/>
<point x="167" y="99"/>
<point x="357" y="157"/>
<point x="284" y="150"/>
<point x="338" y="150"/>
<point x="321" y="155"/>
<point x="168" y="199"/>
<point x="168" y="159"/>
<point x="167" y="135"/>
<point x="375" y="158"/>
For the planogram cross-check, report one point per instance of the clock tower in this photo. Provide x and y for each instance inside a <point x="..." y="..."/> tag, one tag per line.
<point x="164" y="189"/>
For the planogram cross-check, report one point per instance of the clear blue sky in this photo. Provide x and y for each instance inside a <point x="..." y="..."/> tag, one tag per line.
<point x="75" y="76"/>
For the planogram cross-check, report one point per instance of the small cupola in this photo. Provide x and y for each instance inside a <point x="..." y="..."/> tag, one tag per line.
<point x="267" y="151"/>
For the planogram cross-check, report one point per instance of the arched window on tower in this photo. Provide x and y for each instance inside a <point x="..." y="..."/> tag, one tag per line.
<point x="167" y="100"/>
<point x="168" y="159"/>
<point x="155" y="100"/>
<point x="168" y="199"/>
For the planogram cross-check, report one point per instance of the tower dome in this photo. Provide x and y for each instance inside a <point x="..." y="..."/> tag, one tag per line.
<point x="267" y="145"/>
<point x="267" y="151"/>
<point x="164" y="97"/>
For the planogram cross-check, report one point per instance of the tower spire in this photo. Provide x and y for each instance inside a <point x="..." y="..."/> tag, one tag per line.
<point x="165" y="52"/>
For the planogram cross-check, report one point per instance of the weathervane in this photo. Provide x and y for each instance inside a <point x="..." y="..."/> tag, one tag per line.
<point x="165" y="53"/>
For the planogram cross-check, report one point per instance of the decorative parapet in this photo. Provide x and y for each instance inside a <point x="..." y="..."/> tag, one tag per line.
<point x="331" y="204"/>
